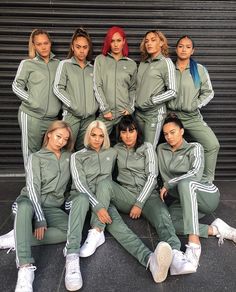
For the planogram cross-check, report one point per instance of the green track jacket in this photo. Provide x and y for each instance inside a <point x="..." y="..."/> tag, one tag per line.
<point x="190" y="98"/>
<point x="74" y="87"/>
<point x="137" y="170"/>
<point x="47" y="179"/>
<point x="185" y="163"/>
<point x="33" y="84"/>
<point x="156" y="83"/>
<point x="88" y="168"/>
<point x="114" y="84"/>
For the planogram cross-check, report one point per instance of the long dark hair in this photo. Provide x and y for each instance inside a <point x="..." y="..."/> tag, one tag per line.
<point x="129" y="122"/>
<point x="193" y="64"/>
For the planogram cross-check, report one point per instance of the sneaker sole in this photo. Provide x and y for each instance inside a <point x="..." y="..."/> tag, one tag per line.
<point x="163" y="253"/>
<point x="175" y="273"/>
<point x="81" y="255"/>
<point x="70" y="287"/>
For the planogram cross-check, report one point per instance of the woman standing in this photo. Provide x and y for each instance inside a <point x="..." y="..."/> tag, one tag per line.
<point x="74" y="86"/>
<point x="155" y="85"/>
<point x="181" y="167"/>
<point x="92" y="166"/>
<point x="33" y="84"/>
<point x="114" y="78"/>
<point x="194" y="91"/>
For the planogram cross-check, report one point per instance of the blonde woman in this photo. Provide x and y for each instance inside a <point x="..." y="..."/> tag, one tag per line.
<point x="39" y="218"/>
<point x="155" y="85"/>
<point x="90" y="167"/>
<point x="33" y="84"/>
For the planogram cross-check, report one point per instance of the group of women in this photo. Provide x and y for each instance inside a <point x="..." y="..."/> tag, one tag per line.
<point x="113" y="87"/>
<point x="137" y="101"/>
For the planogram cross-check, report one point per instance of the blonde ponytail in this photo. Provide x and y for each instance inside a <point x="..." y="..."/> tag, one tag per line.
<point x="31" y="48"/>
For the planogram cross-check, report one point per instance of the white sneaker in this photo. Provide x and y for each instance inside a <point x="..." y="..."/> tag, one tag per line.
<point x="73" y="278"/>
<point x="159" y="261"/>
<point x="193" y="254"/>
<point x="225" y="231"/>
<point x="25" y="279"/>
<point x="7" y="241"/>
<point x="92" y="242"/>
<point x="180" y="265"/>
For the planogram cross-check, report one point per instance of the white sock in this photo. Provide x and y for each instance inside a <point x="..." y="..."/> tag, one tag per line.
<point x="194" y="245"/>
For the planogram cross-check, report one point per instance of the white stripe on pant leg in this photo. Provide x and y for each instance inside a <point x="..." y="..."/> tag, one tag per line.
<point x="157" y="134"/>
<point x="68" y="230"/>
<point x="24" y="137"/>
<point x="158" y="127"/>
<point x="16" y="214"/>
<point x="194" y="207"/>
<point x="194" y="187"/>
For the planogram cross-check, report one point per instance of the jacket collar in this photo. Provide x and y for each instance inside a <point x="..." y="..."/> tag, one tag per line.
<point x="157" y="58"/>
<point x="122" y="58"/>
<point x="184" y="145"/>
<point x="39" y="58"/>
<point x="74" y="61"/>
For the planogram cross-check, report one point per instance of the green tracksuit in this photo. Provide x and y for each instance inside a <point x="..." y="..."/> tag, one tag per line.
<point x="187" y="106"/>
<point x="74" y="87"/>
<point x="137" y="172"/>
<point x="33" y="84"/>
<point x="155" y="86"/>
<point x="114" y="85"/>
<point x="182" y="175"/>
<point x="89" y="170"/>
<point x="39" y="205"/>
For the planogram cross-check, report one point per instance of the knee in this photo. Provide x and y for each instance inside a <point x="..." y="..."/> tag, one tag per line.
<point x="212" y="145"/>
<point x="183" y="185"/>
<point x="81" y="199"/>
<point x="24" y="205"/>
<point x="104" y="185"/>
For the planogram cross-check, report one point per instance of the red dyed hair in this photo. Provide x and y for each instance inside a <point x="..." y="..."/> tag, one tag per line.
<point x="107" y="42"/>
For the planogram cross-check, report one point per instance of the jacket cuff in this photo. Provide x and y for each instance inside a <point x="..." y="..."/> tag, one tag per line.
<point x="97" y="207"/>
<point x="39" y="224"/>
<point x="139" y="204"/>
<point x="167" y="185"/>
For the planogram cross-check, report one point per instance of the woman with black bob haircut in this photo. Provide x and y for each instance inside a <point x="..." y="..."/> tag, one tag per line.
<point x="130" y="123"/>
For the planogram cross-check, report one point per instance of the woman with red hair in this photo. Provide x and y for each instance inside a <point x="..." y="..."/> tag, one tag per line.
<point x="114" y="78"/>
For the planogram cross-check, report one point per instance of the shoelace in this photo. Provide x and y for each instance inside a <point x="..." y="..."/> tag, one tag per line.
<point x="73" y="265"/>
<point x="191" y="255"/>
<point x="180" y="255"/>
<point x="148" y="263"/>
<point x="226" y="234"/>
<point x="11" y="249"/>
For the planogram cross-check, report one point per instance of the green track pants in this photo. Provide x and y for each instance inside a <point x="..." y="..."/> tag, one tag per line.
<point x="78" y="127"/>
<point x="154" y="210"/>
<point x="200" y="132"/>
<point x="60" y="227"/>
<point x="193" y="198"/>
<point x="32" y="133"/>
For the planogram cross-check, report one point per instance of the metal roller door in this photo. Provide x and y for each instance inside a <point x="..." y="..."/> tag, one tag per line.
<point x="212" y="24"/>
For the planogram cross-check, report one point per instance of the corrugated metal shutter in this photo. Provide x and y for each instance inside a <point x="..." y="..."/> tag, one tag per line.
<point x="211" y="23"/>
